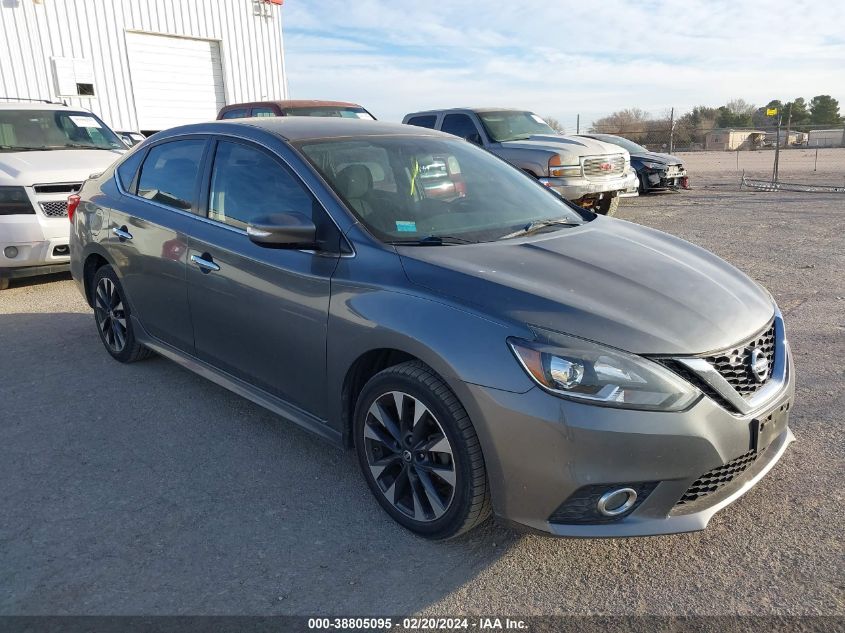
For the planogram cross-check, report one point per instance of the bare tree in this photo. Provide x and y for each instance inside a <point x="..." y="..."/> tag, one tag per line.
<point x="740" y="106"/>
<point x="626" y="123"/>
<point x="555" y="124"/>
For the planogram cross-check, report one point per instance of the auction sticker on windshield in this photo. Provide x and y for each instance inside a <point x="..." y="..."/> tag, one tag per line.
<point x="85" y="121"/>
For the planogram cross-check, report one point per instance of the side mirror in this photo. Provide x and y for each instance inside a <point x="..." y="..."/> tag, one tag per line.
<point x="475" y="138"/>
<point x="283" y="230"/>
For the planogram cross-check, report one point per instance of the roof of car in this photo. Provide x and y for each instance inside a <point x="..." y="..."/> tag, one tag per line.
<point x="34" y="105"/>
<point x="299" y="103"/>
<point x="477" y="110"/>
<point x="304" y="127"/>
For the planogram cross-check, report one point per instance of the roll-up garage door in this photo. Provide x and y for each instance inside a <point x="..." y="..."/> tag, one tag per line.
<point x="175" y="80"/>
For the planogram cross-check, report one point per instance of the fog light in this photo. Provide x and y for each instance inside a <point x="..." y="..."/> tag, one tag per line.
<point x="11" y="252"/>
<point x="616" y="502"/>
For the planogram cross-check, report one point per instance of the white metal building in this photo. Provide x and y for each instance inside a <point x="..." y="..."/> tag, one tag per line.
<point x="826" y="138"/>
<point x="143" y="64"/>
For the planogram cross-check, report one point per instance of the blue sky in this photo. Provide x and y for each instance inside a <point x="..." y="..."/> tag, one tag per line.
<point x="563" y="58"/>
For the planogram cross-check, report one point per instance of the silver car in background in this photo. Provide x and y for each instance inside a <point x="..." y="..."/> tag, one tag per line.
<point x="484" y="345"/>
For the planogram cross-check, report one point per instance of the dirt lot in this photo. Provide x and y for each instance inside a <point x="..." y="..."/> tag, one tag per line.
<point x="145" y="489"/>
<point x="827" y="166"/>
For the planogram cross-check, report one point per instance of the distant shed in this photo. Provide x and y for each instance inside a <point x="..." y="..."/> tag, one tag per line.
<point x="728" y="139"/>
<point x="826" y="138"/>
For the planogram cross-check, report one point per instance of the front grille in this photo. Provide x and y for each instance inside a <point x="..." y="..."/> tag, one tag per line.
<point x="690" y="376"/>
<point x="713" y="480"/>
<point x="604" y="166"/>
<point x="735" y="364"/>
<point x="55" y="209"/>
<point x="60" y="187"/>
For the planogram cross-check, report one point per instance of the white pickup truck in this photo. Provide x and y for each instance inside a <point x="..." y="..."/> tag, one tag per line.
<point x="588" y="172"/>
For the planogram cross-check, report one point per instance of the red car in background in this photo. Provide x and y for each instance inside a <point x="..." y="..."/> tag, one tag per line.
<point x="341" y="109"/>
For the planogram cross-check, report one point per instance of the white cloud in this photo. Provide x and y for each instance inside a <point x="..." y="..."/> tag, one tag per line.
<point x="562" y="58"/>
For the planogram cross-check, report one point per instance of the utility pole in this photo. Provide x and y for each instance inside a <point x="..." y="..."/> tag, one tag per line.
<point x="577" y="123"/>
<point x="777" y="150"/>
<point x="672" y="131"/>
<point x="788" y="124"/>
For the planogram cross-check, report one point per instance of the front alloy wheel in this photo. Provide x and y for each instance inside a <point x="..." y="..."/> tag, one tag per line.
<point x="409" y="456"/>
<point x="419" y="452"/>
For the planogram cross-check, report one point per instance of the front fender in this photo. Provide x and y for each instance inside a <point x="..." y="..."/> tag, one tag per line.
<point x="462" y="346"/>
<point x="535" y="161"/>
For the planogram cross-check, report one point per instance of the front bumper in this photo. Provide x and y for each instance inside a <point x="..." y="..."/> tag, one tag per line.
<point x="671" y="177"/>
<point x="40" y="242"/>
<point x="580" y="189"/>
<point x="540" y="449"/>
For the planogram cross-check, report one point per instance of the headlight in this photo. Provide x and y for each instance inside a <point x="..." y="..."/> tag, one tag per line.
<point x="565" y="171"/>
<point x="558" y="170"/>
<point x="580" y="370"/>
<point x="14" y="201"/>
<point x="655" y="166"/>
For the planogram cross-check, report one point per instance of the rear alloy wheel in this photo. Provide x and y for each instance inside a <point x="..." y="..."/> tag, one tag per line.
<point x="111" y="314"/>
<point x="419" y="452"/>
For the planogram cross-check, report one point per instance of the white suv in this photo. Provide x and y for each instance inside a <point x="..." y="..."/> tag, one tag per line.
<point x="46" y="151"/>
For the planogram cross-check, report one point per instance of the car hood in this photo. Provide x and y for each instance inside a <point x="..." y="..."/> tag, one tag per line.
<point x="66" y="165"/>
<point x="656" y="157"/>
<point x="611" y="281"/>
<point x="577" y="145"/>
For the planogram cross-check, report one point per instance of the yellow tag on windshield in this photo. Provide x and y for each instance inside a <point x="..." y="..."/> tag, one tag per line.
<point x="414" y="174"/>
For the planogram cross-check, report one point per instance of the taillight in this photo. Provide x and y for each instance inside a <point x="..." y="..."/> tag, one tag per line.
<point x="72" y="203"/>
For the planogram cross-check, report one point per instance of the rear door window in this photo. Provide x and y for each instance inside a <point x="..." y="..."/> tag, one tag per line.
<point x="170" y="173"/>
<point x="238" y="113"/>
<point x="423" y="121"/>
<point x="127" y="169"/>
<point x="459" y="125"/>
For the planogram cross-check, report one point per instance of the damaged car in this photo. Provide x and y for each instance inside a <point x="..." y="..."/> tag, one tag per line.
<point x="655" y="171"/>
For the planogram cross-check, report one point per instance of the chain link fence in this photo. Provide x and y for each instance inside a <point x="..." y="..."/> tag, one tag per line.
<point x="661" y="136"/>
<point x="811" y="154"/>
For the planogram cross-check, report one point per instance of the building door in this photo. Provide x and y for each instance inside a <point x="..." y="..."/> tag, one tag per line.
<point x="175" y="80"/>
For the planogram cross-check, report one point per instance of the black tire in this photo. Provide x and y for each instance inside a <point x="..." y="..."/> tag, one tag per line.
<point x="608" y="206"/>
<point x="112" y="318"/>
<point x="4" y="283"/>
<point x="469" y="504"/>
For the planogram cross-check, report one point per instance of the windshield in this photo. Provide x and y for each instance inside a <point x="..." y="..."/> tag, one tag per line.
<point x="22" y="130"/>
<point x="406" y="189"/>
<point x="346" y="112"/>
<point x="632" y="147"/>
<point x="510" y="125"/>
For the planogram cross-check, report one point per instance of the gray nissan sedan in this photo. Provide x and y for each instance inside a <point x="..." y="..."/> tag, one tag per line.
<point x="483" y="345"/>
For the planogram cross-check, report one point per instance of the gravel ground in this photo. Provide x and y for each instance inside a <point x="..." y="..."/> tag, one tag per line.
<point x="145" y="489"/>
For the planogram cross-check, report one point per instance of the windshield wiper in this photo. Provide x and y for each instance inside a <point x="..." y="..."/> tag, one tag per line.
<point x="81" y="146"/>
<point x="13" y="148"/>
<point x="433" y="240"/>
<point x="537" y="225"/>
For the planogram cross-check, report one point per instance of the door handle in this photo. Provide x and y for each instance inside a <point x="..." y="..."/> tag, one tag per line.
<point x="205" y="264"/>
<point x="122" y="233"/>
